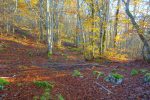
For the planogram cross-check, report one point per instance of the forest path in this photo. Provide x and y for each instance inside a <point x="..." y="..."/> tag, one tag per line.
<point x="24" y="60"/>
<point x="23" y="51"/>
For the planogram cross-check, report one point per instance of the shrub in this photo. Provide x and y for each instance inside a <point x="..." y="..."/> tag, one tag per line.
<point x="77" y="73"/>
<point x="44" y="84"/>
<point x="134" y="72"/>
<point x="98" y="73"/>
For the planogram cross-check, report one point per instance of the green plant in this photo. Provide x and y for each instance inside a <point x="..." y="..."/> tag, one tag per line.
<point x="143" y="71"/>
<point x="60" y="97"/>
<point x="44" y="84"/>
<point x="98" y="73"/>
<point x="134" y="72"/>
<point x="3" y="82"/>
<point x="46" y="95"/>
<point x="36" y="98"/>
<point x="77" y="73"/>
<point x="47" y="86"/>
<point x="147" y="77"/>
<point x="49" y="54"/>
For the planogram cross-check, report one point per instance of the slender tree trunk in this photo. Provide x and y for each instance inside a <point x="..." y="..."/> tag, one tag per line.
<point x="41" y="18"/>
<point x="77" y="25"/>
<point x="49" y="28"/>
<point x="116" y="22"/>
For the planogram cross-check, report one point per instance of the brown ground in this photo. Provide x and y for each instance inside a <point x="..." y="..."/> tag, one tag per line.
<point x="24" y="60"/>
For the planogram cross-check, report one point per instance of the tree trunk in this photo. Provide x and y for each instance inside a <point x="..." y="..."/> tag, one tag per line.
<point x="49" y="28"/>
<point x="140" y="32"/>
<point x="116" y="22"/>
<point x="41" y="18"/>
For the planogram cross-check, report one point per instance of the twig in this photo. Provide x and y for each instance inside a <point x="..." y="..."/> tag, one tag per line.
<point x="104" y="88"/>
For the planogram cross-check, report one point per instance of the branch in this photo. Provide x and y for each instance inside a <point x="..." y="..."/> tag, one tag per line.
<point x="109" y="92"/>
<point x="123" y="1"/>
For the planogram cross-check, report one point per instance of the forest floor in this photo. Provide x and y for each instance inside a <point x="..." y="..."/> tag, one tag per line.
<point x="23" y="60"/>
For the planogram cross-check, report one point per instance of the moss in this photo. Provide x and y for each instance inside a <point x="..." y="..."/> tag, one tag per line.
<point x="117" y="76"/>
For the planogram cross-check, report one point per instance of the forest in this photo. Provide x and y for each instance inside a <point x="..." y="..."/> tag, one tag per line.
<point x="75" y="50"/>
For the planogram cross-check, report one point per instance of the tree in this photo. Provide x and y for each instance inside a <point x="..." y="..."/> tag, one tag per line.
<point x="41" y="19"/>
<point x="116" y="22"/>
<point x="49" y="27"/>
<point x="140" y="31"/>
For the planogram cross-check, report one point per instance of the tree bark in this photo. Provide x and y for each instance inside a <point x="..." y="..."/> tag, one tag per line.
<point x="41" y="18"/>
<point x="116" y="22"/>
<point x="49" y="28"/>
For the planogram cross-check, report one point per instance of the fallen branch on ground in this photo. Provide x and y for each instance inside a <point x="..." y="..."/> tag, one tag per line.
<point x="109" y="92"/>
<point x="75" y="65"/>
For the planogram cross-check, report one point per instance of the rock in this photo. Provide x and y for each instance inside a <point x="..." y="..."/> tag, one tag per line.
<point x="114" y="78"/>
<point x="147" y="78"/>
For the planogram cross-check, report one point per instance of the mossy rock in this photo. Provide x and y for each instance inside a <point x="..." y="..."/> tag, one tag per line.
<point x="114" y="78"/>
<point x="147" y="78"/>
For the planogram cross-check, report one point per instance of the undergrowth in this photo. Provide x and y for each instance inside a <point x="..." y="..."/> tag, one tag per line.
<point x="3" y="82"/>
<point x="47" y="89"/>
<point x="134" y="72"/>
<point x="43" y="84"/>
<point x="98" y="73"/>
<point x="77" y="73"/>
